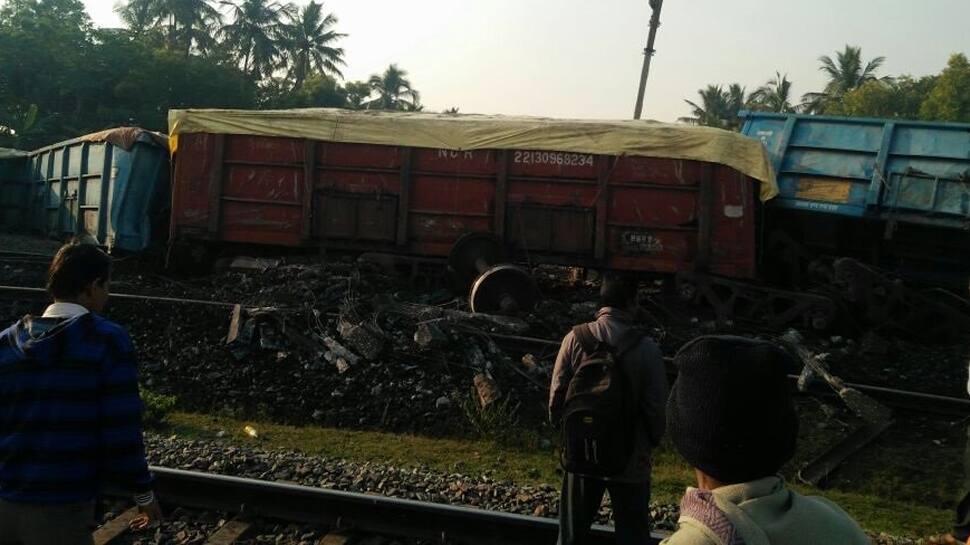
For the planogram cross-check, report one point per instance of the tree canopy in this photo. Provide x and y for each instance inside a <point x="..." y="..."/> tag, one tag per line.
<point x="61" y="77"/>
<point x="854" y="88"/>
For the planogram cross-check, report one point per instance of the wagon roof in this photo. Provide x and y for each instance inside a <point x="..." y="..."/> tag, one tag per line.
<point x="122" y="137"/>
<point x="472" y="132"/>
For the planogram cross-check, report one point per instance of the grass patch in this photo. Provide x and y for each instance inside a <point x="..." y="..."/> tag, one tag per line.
<point x="525" y="466"/>
<point x="157" y="407"/>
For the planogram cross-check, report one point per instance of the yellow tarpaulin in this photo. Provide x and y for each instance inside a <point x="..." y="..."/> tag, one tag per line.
<point x="476" y="132"/>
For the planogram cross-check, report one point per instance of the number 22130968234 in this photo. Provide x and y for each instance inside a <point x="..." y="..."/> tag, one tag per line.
<point x="552" y="158"/>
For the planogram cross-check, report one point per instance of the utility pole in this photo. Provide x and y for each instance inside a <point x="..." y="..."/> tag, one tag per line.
<point x="655" y="5"/>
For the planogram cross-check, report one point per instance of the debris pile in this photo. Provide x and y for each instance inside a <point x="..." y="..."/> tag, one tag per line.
<point x="340" y="344"/>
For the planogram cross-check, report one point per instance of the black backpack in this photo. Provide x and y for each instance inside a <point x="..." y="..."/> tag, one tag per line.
<point x="598" y="422"/>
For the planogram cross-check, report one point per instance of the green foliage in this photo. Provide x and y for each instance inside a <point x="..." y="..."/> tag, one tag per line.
<point x="358" y="94"/>
<point x="774" y="96"/>
<point x="950" y="98"/>
<point x="853" y="90"/>
<point x="256" y="30"/>
<point x="901" y="97"/>
<point x="157" y="407"/>
<point x="496" y="421"/>
<point x="846" y="73"/>
<point x="393" y="91"/>
<point x="310" y="39"/>
<point x="60" y="77"/>
<point x="320" y="91"/>
<point x="718" y="107"/>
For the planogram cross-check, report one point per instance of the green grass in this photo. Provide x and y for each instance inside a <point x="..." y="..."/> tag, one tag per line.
<point x="867" y="502"/>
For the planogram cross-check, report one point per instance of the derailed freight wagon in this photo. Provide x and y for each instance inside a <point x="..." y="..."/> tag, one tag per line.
<point x="111" y="186"/>
<point x="890" y="192"/>
<point x="625" y="195"/>
<point x="13" y="188"/>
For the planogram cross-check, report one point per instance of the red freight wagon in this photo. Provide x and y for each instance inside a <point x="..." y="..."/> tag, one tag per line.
<point x="636" y="196"/>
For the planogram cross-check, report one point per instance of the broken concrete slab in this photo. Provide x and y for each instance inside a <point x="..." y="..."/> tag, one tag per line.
<point x="429" y="335"/>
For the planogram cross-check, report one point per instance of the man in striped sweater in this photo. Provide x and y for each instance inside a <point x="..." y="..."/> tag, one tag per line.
<point x="70" y="412"/>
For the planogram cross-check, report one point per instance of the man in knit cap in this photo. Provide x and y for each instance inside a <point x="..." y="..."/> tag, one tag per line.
<point x="730" y="415"/>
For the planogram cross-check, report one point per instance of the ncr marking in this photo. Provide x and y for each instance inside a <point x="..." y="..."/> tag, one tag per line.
<point x="451" y="154"/>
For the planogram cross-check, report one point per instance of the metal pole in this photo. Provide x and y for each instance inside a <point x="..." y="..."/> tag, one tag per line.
<point x="655" y="5"/>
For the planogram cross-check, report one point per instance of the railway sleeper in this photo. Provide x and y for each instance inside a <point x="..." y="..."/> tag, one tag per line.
<point x="776" y="308"/>
<point x="885" y="301"/>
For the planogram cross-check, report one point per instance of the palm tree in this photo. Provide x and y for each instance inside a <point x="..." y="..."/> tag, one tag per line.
<point x="255" y="32"/>
<point x="138" y="15"/>
<point x="309" y="44"/>
<point x="774" y="96"/>
<point x="718" y="107"/>
<point x="394" y="91"/>
<point x="187" y="23"/>
<point x="712" y="109"/>
<point x="846" y="73"/>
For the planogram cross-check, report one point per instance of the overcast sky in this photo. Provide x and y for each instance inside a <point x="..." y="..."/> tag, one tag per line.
<point x="582" y="58"/>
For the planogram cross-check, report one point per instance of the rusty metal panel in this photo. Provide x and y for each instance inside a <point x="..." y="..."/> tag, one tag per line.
<point x="349" y="216"/>
<point x="306" y="189"/>
<point x="462" y="163"/>
<point x="404" y="196"/>
<point x="551" y="229"/>
<point x="216" y="159"/>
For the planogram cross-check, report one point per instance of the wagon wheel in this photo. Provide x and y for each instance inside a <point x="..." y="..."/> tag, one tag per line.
<point x="504" y="289"/>
<point x="473" y="254"/>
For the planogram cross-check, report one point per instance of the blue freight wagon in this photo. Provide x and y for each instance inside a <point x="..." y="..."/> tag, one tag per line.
<point x="13" y="188"/>
<point x="892" y="192"/>
<point x="112" y="186"/>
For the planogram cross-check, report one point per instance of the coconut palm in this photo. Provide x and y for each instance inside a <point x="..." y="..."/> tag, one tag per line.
<point x="187" y="23"/>
<point x="718" y="107"/>
<point x="255" y="35"/>
<point x="774" y="96"/>
<point x="309" y="37"/>
<point x="846" y="73"/>
<point x="737" y="100"/>
<point x="137" y="15"/>
<point x="394" y="91"/>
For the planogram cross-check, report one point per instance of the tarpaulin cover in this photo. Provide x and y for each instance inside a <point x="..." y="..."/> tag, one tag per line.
<point x="476" y="132"/>
<point x="126" y="137"/>
<point x="7" y="153"/>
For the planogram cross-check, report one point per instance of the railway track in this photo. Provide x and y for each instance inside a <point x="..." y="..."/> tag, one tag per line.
<point x="898" y="399"/>
<point x="32" y="258"/>
<point x="251" y="503"/>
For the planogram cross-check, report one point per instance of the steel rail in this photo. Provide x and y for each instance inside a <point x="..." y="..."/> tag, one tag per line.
<point x="899" y="399"/>
<point x="359" y="512"/>
<point x="41" y="293"/>
<point x="12" y="253"/>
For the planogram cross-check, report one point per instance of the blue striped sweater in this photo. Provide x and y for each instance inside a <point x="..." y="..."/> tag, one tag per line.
<point x="70" y="413"/>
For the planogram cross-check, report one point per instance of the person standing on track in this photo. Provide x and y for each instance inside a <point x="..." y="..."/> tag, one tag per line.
<point x="70" y="411"/>
<point x="640" y="380"/>
<point x="731" y="416"/>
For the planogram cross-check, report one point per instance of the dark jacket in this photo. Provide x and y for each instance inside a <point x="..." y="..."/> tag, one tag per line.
<point x="643" y="365"/>
<point x="70" y="413"/>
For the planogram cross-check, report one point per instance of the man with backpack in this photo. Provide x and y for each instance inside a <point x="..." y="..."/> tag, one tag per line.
<point x="608" y="393"/>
